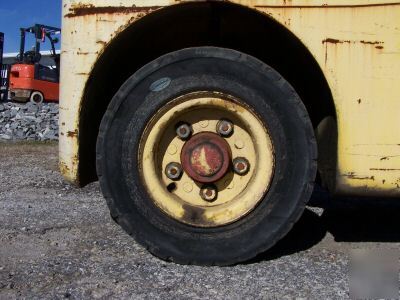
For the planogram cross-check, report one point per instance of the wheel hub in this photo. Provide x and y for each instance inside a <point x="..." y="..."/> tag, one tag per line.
<point x="206" y="157"/>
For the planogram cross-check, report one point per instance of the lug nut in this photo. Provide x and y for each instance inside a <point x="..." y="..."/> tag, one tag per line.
<point x="184" y="131"/>
<point x="241" y="166"/>
<point x="173" y="171"/>
<point x="209" y="193"/>
<point x="225" y="128"/>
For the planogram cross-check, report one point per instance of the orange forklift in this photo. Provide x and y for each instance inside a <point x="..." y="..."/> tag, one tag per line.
<point x="29" y="80"/>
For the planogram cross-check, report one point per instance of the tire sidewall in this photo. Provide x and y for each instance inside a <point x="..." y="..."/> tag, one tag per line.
<point x="269" y="96"/>
<point x="34" y="93"/>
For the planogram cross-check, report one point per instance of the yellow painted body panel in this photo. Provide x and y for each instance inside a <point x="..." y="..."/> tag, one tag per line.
<point x="355" y="42"/>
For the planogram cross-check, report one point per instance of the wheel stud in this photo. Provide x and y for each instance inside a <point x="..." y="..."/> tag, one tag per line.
<point x="241" y="165"/>
<point x="225" y="128"/>
<point x="184" y="131"/>
<point x="209" y="193"/>
<point x="173" y="171"/>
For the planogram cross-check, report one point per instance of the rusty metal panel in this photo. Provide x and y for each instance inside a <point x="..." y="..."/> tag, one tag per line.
<point x="358" y="48"/>
<point x="87" y="28"/>
<point x="355" y="42"/>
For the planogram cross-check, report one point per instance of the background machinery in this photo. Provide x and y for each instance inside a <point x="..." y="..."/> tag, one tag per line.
<point x="29" y="80"/>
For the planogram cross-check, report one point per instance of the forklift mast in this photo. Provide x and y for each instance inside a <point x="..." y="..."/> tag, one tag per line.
<point x="1" y="48"/>
<point x="41" y="32"/>
<point x="30" y="80"/>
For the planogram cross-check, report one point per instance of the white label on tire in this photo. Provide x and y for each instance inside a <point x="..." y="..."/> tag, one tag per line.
<point x="160" y="84"/>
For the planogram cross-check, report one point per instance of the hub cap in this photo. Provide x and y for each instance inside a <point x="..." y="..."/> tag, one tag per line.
<point x="215" y="175"/>
<point x="206" y="157"/>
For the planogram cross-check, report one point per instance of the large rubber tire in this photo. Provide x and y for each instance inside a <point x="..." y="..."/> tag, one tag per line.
<point x="202" y="69"/>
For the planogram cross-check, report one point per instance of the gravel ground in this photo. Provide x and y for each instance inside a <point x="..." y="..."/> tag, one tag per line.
<point x="57" y="241"/>
<point x="29" y="121"/>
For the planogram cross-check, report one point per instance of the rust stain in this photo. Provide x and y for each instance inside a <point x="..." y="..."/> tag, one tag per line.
<point x="336" y="41"/>
<point x="376" y="145"/>
<point x="89" y="9"/>
<point x="371" y="43"/>
<point x="383" y="169"/>
<point x="64" y="169"/>
<point x="352" y="175"/>
<point x="369" y="155"/>
<point x="330" y="6"/>
<point x="206" y="160"/>
<point x="72" y="134"/>
<point x="106" y="21"/>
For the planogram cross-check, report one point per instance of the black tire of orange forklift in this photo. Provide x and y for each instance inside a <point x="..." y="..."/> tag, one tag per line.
<point x="207" y="69"/>
<point x="36" y="97"/>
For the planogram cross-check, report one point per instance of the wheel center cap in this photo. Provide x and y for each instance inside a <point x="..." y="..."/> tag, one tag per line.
<point x="206" y="157"/>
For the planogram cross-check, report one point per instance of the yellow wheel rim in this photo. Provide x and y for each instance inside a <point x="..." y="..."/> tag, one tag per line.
<point x="183" y="198"/>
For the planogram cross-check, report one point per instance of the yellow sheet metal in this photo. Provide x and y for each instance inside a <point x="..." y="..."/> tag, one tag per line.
<point x="356" y="43"/>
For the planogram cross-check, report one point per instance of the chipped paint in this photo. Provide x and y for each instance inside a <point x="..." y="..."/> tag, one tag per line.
<point x="352" y="175"/>
<point x="336" y="41"/>
<point x="328" y="4"/>
<point x="206" y="157"/>
<point x="64" y="168"/>
<point x="333" y="41"/>
<point x="383" y="169"/>
<point x="72" y="134"/>
<point x="79" y="10"/>
<point x="371" y="43"/>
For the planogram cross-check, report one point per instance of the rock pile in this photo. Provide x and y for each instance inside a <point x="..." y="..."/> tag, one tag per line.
<point x="32" y="122"/>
